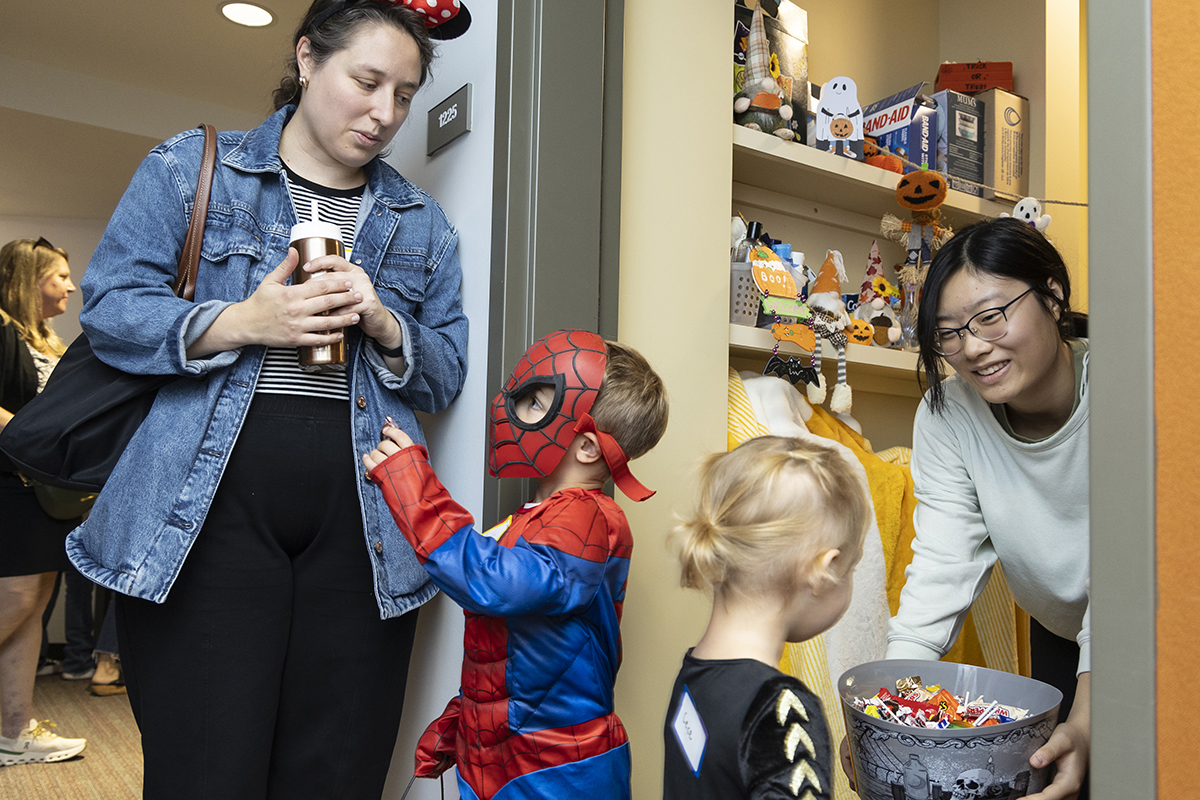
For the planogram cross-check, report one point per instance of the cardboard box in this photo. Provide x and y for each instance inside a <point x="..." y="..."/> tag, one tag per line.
<point x="906" y="124"/>
<point x="1005" y="145"/>
<point x="975" y="76"/>
<point x="960" y="140"/>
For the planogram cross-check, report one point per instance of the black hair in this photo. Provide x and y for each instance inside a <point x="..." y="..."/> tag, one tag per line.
<point x="1007" y="248"/>
<point x="331" y="24"/>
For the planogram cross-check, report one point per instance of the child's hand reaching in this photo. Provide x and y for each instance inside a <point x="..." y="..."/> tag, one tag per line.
<point x="394" y="440"/>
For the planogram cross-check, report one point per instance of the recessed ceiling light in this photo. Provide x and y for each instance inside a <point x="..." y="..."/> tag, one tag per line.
<point x="246" y="14"/>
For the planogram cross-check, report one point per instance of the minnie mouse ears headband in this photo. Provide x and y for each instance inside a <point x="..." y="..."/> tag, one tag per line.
<point x="446" y="19"/>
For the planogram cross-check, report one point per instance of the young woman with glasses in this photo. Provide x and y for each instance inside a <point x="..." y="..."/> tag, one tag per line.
<point x="1000" y="464"/>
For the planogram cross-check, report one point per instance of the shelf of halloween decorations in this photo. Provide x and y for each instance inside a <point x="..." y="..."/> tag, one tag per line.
<point x="797" y="170"/>
<point x="803" y="333"/>
<point x="880" y="369"/>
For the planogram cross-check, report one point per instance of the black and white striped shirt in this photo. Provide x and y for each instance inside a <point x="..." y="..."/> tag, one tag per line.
<point x="281" y="373"/>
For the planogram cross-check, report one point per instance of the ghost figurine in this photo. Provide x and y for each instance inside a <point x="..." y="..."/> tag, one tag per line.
<point x="839" y="116"/>
<point x="1029" y="211"/>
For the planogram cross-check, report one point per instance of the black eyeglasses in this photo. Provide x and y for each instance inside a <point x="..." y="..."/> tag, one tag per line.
<point x="41" y="242"/>
<point x="987" y="326"/>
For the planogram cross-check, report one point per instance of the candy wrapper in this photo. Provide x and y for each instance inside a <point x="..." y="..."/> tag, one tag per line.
<point x="919" y="706"/>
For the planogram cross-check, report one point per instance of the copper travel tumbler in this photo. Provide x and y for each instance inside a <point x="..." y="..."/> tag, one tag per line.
<point x="313" y="240"/>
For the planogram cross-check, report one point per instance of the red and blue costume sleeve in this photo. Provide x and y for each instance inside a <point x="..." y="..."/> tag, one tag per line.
<point x="543" y="595"/>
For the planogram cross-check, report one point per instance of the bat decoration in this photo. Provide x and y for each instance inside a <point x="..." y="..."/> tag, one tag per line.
<point x="792" y="370"/>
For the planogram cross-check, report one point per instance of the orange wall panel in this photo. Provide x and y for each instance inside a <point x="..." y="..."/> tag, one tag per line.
<point x="1175" y="30"/>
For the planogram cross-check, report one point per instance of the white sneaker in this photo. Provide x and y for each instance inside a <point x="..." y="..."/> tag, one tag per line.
<point x="37" y="744"/>
<point x="49" y="666"/>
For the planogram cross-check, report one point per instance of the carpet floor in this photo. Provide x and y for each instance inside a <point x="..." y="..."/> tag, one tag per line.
<point x="109" y="768"/>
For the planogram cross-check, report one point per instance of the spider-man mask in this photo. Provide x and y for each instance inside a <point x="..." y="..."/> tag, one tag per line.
<point x="572" y="363"/>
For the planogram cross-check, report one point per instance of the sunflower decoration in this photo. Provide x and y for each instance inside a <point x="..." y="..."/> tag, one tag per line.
<point x="775" y="73"/>
<point x="882" y="287"/>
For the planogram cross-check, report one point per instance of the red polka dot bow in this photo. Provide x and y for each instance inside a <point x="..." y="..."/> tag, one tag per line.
<point x="446" y="19"/>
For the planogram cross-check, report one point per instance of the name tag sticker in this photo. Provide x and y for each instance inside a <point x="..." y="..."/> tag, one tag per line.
<point x="690" y="732"/>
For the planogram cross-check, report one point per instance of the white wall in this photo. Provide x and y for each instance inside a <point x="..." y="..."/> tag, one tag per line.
<point x="459" y="176"/>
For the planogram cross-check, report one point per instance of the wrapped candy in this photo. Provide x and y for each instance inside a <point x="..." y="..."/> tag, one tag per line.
<point x="920" y="706"/>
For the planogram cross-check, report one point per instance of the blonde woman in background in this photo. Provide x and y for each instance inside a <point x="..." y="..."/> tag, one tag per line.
<point x="35" y="282"/>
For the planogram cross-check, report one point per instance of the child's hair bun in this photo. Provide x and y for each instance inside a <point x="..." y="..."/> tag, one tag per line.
<point x="700" y="553"/>
<point x="767" y="511"/>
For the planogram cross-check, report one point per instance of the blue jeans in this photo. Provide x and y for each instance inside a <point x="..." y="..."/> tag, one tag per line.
<point x="81" y="645"/>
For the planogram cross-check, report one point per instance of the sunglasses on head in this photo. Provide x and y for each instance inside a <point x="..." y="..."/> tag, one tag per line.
<point x="42" y="242"/>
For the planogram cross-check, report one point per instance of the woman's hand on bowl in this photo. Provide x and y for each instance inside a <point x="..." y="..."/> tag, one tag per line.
<point x="847" y="764"/>
<point x="1069" y="748"/>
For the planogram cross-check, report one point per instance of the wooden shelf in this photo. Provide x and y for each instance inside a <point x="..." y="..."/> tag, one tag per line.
<point x="766" y="161"/>
<point x="883" y="370"/>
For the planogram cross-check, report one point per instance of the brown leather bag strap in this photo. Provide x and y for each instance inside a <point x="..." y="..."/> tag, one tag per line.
<point x="189" y="259"/>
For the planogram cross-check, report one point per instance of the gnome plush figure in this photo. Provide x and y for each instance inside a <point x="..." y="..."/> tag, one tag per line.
<point x="760" y="105"/>
<point x="830" y="321"/>
<point x="874" y="301"/>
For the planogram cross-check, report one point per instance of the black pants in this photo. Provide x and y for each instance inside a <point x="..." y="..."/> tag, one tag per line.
<point x="1053" y="660"/>
<point x="267" y="672"/>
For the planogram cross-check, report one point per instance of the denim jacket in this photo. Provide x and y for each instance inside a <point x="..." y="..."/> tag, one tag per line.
<point x="155" y="502"/>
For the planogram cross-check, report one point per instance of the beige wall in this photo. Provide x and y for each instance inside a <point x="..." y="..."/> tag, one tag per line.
<point x="1048" y="70"/>
<point x="884" y="47"/>
<point x="674" y="230"/>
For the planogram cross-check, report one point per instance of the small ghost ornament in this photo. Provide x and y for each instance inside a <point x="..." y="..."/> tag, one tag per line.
<point x="1029" y="211"/>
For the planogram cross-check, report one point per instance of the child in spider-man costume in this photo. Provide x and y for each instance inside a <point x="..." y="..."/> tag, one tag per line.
<point x="542" y="590"/>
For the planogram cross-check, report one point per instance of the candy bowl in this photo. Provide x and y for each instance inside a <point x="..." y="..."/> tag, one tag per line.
<point x="899" y="762"/>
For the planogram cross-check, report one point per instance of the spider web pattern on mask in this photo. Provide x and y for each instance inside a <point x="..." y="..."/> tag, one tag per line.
<point x="518" y="452"/>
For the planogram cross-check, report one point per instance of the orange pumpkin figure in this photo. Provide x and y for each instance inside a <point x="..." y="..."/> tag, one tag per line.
<point x="921" y="192"/>
<point x="882" y="158"/>
<point x="861" y="332"/>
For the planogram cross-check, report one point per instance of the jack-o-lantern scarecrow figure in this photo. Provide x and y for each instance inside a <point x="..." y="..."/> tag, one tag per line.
<point x="761" y="104"/>
<point x="830" y="321"/>
<point x="922" y="192"/>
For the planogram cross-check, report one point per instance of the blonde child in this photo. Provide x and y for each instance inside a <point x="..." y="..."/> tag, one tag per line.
<point x="775" y="535"/>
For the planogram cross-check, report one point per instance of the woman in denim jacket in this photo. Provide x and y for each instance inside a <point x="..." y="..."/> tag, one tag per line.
<point x="268" y="602"/>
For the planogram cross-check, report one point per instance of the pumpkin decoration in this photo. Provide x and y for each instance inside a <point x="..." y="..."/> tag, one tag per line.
<point x="860" y="332"/>
<point x="882" y="158"/>
<point x="921" y="192"/>
<point x="840" y="127"/>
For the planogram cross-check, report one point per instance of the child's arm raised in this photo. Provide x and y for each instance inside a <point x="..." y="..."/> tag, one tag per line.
<point x="559" y="572"/>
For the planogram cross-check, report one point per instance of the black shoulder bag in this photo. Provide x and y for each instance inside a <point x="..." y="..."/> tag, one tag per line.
<point x="72" y="433"/>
